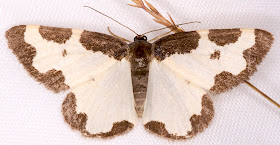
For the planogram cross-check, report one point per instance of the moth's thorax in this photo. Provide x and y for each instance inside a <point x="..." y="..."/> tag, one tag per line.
<point x="140" y="52"/>
<point x="140" y="49"/>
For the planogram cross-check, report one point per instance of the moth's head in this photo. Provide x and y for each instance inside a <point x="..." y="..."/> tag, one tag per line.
<point x="140" y="37"/>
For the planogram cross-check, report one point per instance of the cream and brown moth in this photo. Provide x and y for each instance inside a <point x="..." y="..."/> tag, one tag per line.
<point x="112" y="83"/>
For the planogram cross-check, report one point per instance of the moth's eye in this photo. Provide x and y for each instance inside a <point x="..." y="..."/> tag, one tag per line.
<point x="145" y="38"/>
<point x="135" y="38"/>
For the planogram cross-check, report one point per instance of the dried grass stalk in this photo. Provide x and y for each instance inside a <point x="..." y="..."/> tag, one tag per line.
<point x="157" y="16"/>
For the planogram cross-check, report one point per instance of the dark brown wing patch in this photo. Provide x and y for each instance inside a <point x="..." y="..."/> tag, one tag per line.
<point x="64" y="53"/>
<point x="76" y="121"/>
<point x="224" y="36"/>
<point x="253" y="57"/>
<point x="216" y="55"/>
<point x="108" y="45"/>
<point x="52" y="79"/>
<point x="198" y="122"/>
<point x="117" y="129"/>
<point x="79" y="121"/>
<point x="180" y="43"/>
<point x="58" y="35"/>
<point x="159" y="128"/>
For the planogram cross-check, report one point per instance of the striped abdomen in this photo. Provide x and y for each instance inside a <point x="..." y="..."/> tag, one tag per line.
<point x="141" y="52"/>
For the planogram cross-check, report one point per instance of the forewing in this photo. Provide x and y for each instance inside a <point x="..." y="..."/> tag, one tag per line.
<point x="215" y="60"/>
<point x="189" y="64"/>
<point x="90" y="64"/>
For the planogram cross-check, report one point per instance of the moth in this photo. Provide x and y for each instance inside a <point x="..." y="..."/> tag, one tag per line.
<point x="112" y="83"/>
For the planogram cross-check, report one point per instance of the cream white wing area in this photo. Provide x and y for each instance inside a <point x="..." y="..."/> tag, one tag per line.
<point x="101" y="85"/>
<point x="171" y="102"/>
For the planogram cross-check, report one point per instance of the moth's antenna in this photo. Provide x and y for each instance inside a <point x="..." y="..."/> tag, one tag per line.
<point x="171" y="26"/>
<point x="263" y="94"/>
<point x="111" y="19"/>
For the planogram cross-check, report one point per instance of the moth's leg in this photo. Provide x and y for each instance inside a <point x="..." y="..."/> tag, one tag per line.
<point x="118" y="36"/>
<point x="160" y="36"/>
<point x="263" y="94"/>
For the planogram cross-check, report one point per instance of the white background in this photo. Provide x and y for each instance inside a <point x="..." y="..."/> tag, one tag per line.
<point x="30" y="114"/>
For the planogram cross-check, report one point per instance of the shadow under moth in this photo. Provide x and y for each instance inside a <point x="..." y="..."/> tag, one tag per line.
<point x="111" y="83"/>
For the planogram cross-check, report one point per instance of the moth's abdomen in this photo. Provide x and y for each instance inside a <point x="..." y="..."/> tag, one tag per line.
<point x="139" y="73"/>
<point x="141" y="52"/>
